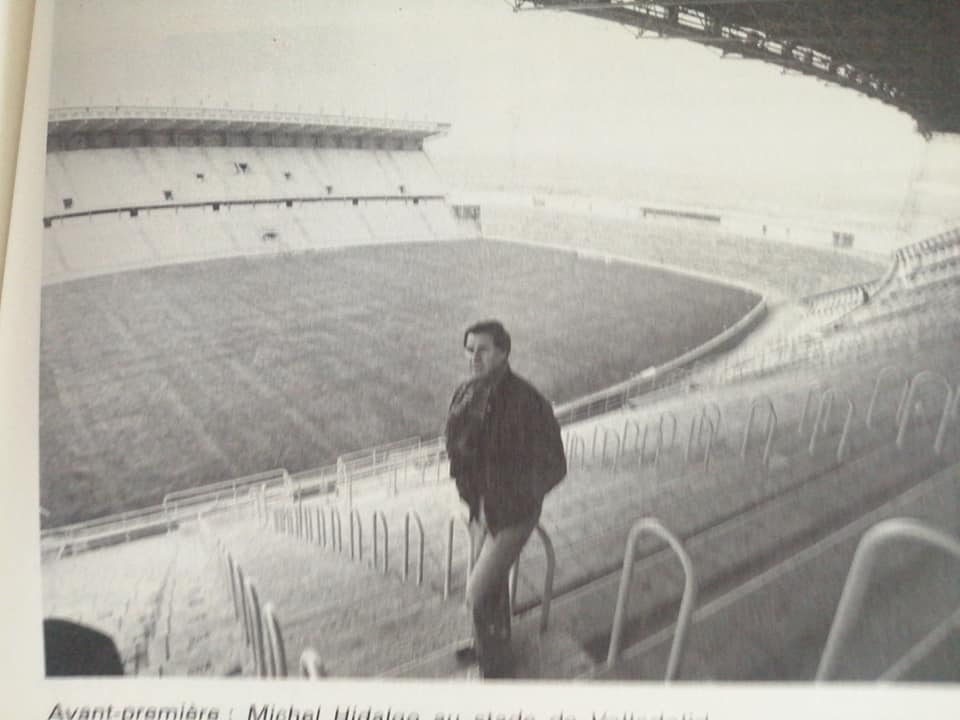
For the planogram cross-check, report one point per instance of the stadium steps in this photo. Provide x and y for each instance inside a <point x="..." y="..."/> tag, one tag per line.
<point x="339" y="607"/>
<point x="774" y="626"/>
<point x="197" y="633"/>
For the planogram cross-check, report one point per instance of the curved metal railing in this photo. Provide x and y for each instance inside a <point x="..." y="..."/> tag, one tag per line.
<point x="311" y="667"/>
<point x="406" y="545"/>
<point x="771" y="430"/>
<point x="858" y="578"/>
<point x="380" y="520"/>
<point x="457" y="518"/>
<point x="276" y="658"/>
<point x="949" y="409"/>
<point x="687" y="602"/>
<point x="549" y="571"/>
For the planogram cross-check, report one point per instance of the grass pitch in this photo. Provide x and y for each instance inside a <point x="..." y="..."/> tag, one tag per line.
<point x="171" y="377"/>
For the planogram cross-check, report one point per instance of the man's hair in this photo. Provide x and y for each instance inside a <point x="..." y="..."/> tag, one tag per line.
<point x="493" y="328"/>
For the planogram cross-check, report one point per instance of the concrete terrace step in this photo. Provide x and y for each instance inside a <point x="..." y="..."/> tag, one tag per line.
<point x="774" y="626"/>
<point x="552" y="655"/>
<point x="378" y="642"/>
<point x="198" y="633"/>
<point x="302" y="579"/>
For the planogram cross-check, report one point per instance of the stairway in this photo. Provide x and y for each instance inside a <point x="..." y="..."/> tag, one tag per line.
<point x="358" y="621"/>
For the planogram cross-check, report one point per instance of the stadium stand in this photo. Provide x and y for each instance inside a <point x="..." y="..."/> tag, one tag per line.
<point x="765" y="468"/>
<point x="755" y="263"/>
<point x="117" y="199"/>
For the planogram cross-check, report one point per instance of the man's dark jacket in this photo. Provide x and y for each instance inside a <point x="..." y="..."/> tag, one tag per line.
<point x="520" y="455"/>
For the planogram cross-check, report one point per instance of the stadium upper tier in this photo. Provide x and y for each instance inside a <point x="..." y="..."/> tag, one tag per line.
<point x="137" y="187"/>
<point x="101" y="159"/>
<point x="89" y="181"/>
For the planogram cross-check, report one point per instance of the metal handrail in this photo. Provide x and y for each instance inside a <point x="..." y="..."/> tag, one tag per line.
<point x="276" y="657"/>
<point x="211" y="491"/>
<point x="386" y="540"/>
<point x="771" y="428"/>
<point x="336" y="530"/>
<point x="256" y="627"/>
<point x="607" y="432"/>
<point x="233" y="585"/>
<point x="657" y="450"/>
<point x="687" y="602"/>
<point x="887" y="370"/>
<point x="576" y="442"/>
<point x="696" y="427"/>
<point x="674" y="427"/>
<point x="811" y="393"/>
<point x="321" y="523"/>
<point x="845" y="433"/>
<point x="926" y="376"/>
<point x="244" y="610"/>
<point x="821" y="421"/>
<point x="714" y="406"/>
<point x="708" y="448"/>
<point x="629" y="424"/>
<point x="448" y="572"/>
<point x="546" y="597"/>
<point x="688" y="446"/>
<point x="593" y="443"/>
<point x="922" y="649"/>
<point x="311" y="667"/>
<point x="406" y="545"/>
<point x="356" y="551"/>
<point x="311" y="532"/>
<point x="858" y="577"/>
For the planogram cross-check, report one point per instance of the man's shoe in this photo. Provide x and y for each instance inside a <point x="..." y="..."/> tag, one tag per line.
<point x="466" y="655"/>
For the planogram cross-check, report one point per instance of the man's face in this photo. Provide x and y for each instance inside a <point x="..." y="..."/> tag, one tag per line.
<point x="483" y="356"/>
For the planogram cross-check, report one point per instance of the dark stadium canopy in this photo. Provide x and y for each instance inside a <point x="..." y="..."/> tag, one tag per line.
<point x="903" y="52"/>
<point x="120" y="126"/>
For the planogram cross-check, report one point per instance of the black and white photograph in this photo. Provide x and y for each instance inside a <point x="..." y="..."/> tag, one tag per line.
<point x="501" y="341"/>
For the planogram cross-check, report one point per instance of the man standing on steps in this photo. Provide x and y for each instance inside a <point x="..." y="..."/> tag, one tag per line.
<point x="505" y="454"/>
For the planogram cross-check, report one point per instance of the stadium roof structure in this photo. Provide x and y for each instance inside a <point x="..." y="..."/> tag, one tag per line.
<point x="108" y="126"/>
<point x="902" y="52"/>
